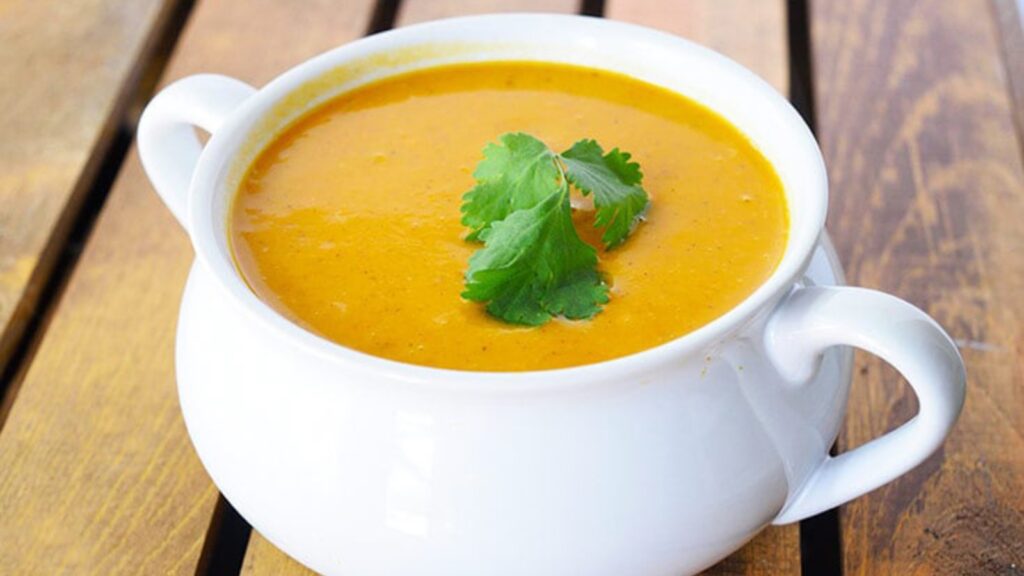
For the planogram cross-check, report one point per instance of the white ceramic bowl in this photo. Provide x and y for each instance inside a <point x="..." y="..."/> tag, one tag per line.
<point x="658" y="463"/>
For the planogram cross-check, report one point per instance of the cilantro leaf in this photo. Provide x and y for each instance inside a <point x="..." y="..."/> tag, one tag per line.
<point x="517" y="173"/>
<point x="615" y="183"/>
<point x="534" y="266"/>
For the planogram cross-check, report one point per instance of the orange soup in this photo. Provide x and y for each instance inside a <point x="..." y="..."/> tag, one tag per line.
<point x="349" y="222"/>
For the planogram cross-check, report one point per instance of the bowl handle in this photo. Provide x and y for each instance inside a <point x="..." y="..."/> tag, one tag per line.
<point x="813" y="319"/>
<point x="168" y="145"/>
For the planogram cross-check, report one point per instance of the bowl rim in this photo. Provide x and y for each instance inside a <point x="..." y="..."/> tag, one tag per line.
<point x="224" y="145"/>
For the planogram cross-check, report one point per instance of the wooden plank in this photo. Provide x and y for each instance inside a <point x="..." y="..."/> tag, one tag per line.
<point x="97" y="475"/>
<point x="753" y="34"/>
<point x="915" y="122"/>
<point x="66" y="69"/>
<point x="1010" y="17"/>
<point x="414" y="11"/>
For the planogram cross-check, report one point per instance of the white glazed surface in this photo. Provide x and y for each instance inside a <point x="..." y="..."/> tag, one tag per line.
<point x="352" y="475"/>
<point x="658" y="463"/>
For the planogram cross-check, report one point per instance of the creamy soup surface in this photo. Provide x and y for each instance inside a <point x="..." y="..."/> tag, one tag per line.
<point x="348" y="223"/>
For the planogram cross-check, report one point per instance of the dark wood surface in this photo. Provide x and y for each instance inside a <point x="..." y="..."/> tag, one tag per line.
<point x="1010" y="20"/>
<point x="916" y="124"/>
<point x="918" y="110"/>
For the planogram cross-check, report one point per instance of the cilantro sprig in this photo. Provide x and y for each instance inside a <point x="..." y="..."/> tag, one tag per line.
<point x="533" y="265"/>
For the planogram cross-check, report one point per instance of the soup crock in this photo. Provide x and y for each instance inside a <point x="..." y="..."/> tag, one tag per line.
<point x="657" y="463"/>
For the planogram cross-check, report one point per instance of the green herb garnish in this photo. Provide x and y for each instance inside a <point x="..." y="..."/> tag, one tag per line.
<point x="533" y="265"/>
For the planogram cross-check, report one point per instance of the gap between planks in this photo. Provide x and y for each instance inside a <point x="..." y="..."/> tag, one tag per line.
<point x="820" y="541"/>
<point x="1009" y="17"/>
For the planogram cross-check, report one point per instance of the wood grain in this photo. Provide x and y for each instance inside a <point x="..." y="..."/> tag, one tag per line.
<point x="1010" y="19"/>
<point x="915" y="122"/>
<point x="65" y="73"/>
<point x="414" y="11"/>
<point x="753" y="34"/>
<point x="97" y="475"/>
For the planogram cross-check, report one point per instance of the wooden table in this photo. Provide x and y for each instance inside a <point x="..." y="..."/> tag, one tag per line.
<point x="919" y="108"/>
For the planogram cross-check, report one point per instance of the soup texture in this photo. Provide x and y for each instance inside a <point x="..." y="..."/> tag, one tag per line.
<point x="348" y="223"/>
